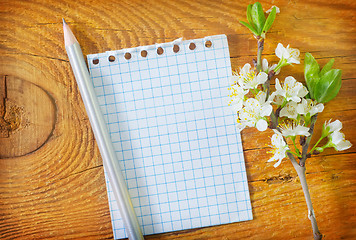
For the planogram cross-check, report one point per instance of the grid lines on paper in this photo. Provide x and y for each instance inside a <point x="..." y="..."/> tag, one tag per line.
<point x="174" y="135"/>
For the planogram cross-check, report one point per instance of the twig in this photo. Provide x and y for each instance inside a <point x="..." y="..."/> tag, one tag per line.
<point x="260" y="42"/>
<point x="301" y="174"/>
<point x="266" y="85"/>
<point x="274" y="118"/>
<point x="307" y="141"/>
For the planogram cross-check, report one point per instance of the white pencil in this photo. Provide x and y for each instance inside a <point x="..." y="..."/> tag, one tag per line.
<point x="101" y="134"/>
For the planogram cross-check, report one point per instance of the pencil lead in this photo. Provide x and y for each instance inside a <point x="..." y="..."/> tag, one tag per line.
<point x="69" y="38"/>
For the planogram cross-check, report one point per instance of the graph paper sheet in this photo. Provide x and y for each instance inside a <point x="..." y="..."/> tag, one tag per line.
<point x="174" y="134"/>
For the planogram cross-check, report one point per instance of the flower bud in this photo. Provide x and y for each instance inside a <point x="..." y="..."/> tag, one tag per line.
<point x="319" y="149"/>
<point x="257" y="22"/>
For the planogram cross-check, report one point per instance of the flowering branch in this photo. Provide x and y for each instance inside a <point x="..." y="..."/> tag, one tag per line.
<point x="292" y="109"/>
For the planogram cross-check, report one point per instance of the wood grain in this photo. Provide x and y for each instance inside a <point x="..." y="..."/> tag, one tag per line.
<point x="58" y="190"/>
<point x="27" y="126"/>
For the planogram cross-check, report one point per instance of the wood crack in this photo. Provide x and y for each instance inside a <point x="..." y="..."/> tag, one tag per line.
<point x="276" y="179"/>
<point x="112" y="29"/>
<point x="41" y="56"/>
<point x="4" y="125"/>
<point x="82" y="171"/>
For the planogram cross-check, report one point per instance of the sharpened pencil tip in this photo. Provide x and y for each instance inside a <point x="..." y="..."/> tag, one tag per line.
<point x="69" y="38"/>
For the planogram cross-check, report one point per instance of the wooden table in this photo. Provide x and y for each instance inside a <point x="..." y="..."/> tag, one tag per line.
<point x="51" y="173"/>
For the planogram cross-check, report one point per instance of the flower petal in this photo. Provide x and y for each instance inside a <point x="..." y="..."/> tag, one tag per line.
<point x="343" y="145"/>
<point x="236" y="104"/>
<point x="316" y="109"/>
<point x="261" y="97"/>
<point x="278" y="163"/>
<point x="278" y="86"/>
<point x="301" y="130"/>
<point x="233" y="79"/>
<point x="289" y="111"/>
<point x="279" y="50"/>
<point x="293" y="60"/>
<point x="245" y="69"/>
<point x="335" y="126"/>
<point x="264" y="65"/>
<point x="302" y="107"/>
<point x="303" y="91"/>
<point x="262" y="77"/>
<point x="266" y="110"/>
<point x="261" y="125"/>
<point x="294" y="99"/>
<point x="251" y="104"/>
<point x="337" y="137"/>
<point x="289" y="81"/>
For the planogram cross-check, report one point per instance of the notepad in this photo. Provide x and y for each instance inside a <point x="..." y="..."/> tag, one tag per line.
<point x="166" y="109"/>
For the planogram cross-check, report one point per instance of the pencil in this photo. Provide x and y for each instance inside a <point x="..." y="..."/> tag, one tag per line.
<point x="101" y="134"/>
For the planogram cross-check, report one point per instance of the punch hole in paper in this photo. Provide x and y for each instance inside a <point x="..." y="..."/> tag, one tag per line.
<point x="144" y="53"/>
<point x="127" y="56"/>
<point x="192" y="46"/>
<point x="95" y="61"/>
<point x="208" y="44"/>
<point x="111" y="58"/>
<point x="175" y="48"/>
<point x="160" y="51"/>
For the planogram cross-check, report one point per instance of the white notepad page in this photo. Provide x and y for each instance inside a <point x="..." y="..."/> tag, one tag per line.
<point x="174" y="134"/>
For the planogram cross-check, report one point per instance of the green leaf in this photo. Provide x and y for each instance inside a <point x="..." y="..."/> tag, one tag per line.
<point x="269" y="20"/>
<point x="311" y="73"/>
<point x="327" y="67"/>
<point x="249" y="27"/>
<point x="328" y="86"/>
<point x="249" y="18"/>
<point x="258" y="17"/>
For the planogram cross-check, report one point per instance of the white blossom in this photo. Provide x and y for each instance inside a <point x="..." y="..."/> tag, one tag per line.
<point x="309" y="106"/>
<point x="276" y="99"/>
<point x="253" y="114"/>
<point x="292" y="128"/>
<point x="291" y="90"/>
<point x="290" y="55"/>
<point x="330" y="127"/>
<point x="248" y="79"/>
<point x="233" y="79"/>
<point x="289" y="110"/>
<point x="237" y="97"/>
<point x="279" y="148"/>
<point x="338" y="141"/>
<point x="261" y="97"/>
<point x="267" y="68"/>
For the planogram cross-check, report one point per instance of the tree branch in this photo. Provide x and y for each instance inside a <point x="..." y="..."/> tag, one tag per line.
<point x="301" y="174"/>
<point x="260" y="43"/>
<point x="307" y="141"/>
